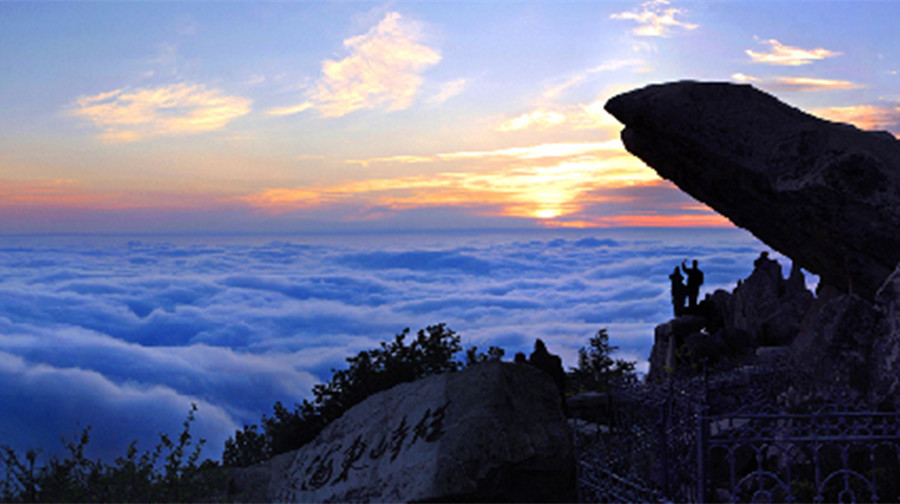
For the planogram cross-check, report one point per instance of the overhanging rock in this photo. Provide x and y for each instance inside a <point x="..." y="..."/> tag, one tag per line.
<point x="492" y="432"/>
<point x="825" y="194"/>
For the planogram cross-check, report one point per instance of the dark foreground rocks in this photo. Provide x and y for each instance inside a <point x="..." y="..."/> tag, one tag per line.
<point x="494" y="432"/>
<point x="825" y="194"/>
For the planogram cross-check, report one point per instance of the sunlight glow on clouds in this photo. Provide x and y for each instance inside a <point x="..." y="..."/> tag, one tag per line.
<point x="787" y="55"/>
<point x="129" y="115"/>
<point x="867" y="117"/>
<point x="797" y="83"/>
<point x="813" y="84"/>
<point x="541" y="181"/>
<point x="448" y="90"/>
<point x="555" y="91"/>
<point x="655" y="19"/>
<point x="383" y="69"/>
<point x="578" y="117"/>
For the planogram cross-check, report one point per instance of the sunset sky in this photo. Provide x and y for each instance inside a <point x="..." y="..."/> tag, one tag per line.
<point x="328" y="116"/>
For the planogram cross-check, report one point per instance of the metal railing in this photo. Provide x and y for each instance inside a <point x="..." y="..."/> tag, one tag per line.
<point x="732" y="438"/>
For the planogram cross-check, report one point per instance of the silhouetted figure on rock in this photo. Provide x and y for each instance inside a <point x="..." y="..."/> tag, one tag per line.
<point x="550" y="364"/>
<point x="679" y="292"/>
<point x="694" y="281"/>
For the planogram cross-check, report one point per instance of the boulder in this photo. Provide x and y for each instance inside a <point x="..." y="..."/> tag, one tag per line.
<point x="492" y="432"/>
<point x="668" y="340"/>
<point x="822" y="193"/>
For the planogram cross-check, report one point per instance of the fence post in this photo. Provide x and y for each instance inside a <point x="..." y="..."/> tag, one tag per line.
<point x="702" y="437"/>
<point x="662" y="437"/>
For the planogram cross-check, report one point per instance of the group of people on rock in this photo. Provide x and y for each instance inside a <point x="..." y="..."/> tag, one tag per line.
<point x="689" y="291"/>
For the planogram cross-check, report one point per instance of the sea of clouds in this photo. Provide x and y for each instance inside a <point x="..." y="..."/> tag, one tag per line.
<point x="124" y="333"/>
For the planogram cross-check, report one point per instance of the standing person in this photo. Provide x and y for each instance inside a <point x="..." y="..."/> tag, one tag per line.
<point x="694" y="281"/>
<point x="679" y="292"/>
<point x="552" y="365"/>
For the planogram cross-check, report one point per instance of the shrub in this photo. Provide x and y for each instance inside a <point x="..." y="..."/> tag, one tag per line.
<point x="597" y="370"/>
<point x="169" y="473"/>
<point x="432" y="351"/>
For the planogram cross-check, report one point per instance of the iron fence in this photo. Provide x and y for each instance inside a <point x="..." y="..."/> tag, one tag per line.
<point x="734" y="439"/>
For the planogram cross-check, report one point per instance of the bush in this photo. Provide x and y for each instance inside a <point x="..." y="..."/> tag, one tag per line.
<point x="432" y="351"/>
<point x="597" y="370"/>
<point x="169" y="473"/>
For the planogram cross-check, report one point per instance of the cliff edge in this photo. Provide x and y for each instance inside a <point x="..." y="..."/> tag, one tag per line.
<point x="825" y="194"/>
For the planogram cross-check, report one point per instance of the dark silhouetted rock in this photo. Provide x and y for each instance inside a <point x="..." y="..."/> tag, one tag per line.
<point x="766" y="309"/>
<point x="492" y="432"/>
<point x="886" y="362"/>
<point x="669" y="339"/>
<point x="824" y="194"/>
<point x="837" y="348"/>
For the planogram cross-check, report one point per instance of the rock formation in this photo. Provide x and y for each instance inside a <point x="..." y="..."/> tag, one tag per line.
<point x="492" y="432"/>
<point x="822" y="193"/>
<point x="764" y="310"/>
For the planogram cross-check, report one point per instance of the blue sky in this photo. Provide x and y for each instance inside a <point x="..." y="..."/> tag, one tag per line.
<point x="298" y="116"/>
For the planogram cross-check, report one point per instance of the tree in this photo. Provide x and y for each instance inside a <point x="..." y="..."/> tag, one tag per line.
<point x="432" y="351"/>
<point x="597" y="370"/>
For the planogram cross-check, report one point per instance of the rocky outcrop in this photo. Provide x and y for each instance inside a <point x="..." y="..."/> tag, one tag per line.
<point x="822" y="193"/>
<point x="767" y="309"/>
<point x="764" y="310"/>
<point x="492" y="432"/>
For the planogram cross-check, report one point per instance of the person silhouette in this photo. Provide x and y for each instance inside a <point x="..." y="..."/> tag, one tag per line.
<point x="679" y="292"/>
<point x="694" y="281"/>
<point x="552" y="365"/>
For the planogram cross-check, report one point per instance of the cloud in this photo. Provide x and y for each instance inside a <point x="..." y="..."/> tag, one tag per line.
<point x="556" y="90"/>
<point x="448" y="90"/>
<point x="797" y="83"/>
<point x="745" y="78"/>
<point x="540" y="119"/>
<point x="177" y="109"/>
<point x="543" y="181"/>
<point x="788" y="56"/>
<point x="124" y="334"/>
<point x="812" y="84"/>
<point x="383" y="69"/>
<point x="656" y="19"/>
<point x="867" y="117"/>
<point x="577" y="117"/>
<point x="291" y="110"/>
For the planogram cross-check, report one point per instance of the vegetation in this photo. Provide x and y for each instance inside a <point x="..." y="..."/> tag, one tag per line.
<point x="169" y="473"/>
<point x="432" y="351"/>
<point x="172" y="471"/>
<point x="597" y="370"/>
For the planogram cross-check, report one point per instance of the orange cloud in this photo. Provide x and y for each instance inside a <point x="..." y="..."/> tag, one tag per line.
<point x="127" y="116"/>
<point x="797" y="83"/>
<point x="813" y="84"/>
<point x="67" y="193"/>
<point x="655" y="19"/>
<point x="787" y="55"/>
<point x="684" y="220"/>
<point x="543" y="181"/>
<point x="867" y="117"/>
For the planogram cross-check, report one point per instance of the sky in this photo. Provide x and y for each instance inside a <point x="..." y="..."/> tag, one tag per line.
<point x="312" y="116"/>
